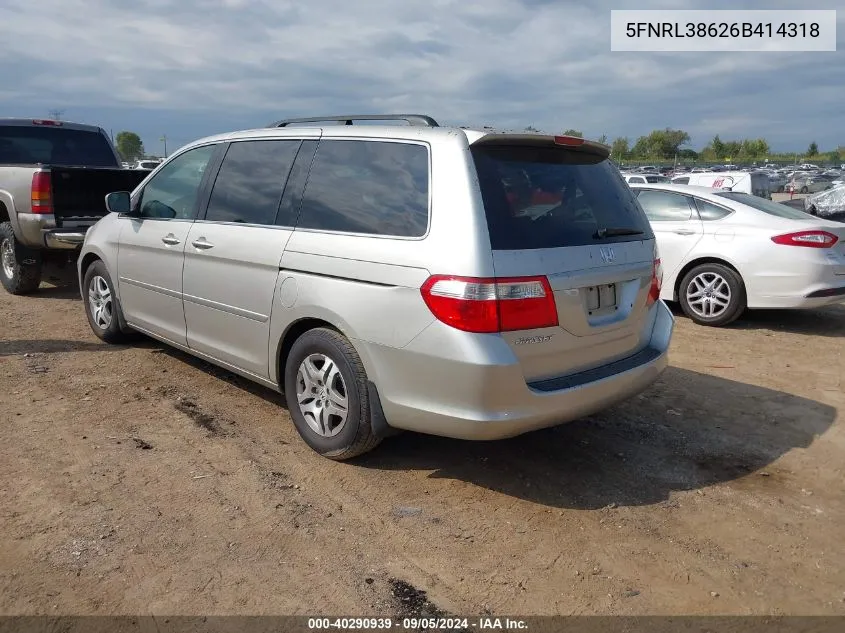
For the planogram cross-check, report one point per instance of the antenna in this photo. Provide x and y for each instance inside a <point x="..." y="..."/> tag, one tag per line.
<point x="56" y="114"/>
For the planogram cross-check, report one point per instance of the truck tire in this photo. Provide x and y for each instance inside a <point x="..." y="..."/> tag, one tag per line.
<point x="20" y="267"/>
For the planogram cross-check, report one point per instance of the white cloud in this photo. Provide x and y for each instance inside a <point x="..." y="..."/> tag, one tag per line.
<point x="507" y="62"/>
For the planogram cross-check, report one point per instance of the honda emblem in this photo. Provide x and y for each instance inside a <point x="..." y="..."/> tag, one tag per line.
<point x="607" y="254"/>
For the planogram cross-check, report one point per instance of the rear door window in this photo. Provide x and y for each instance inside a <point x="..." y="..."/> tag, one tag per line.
<point x="368" y="187"/>
<point x="249" y="186"/>
<point x="708" y="211"/>
<point x="549" y="197"/>
<point x="664" y="206"/>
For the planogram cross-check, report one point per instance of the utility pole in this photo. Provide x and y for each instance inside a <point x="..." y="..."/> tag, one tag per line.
<point x="163" y="139"/>
<point x="56" y="114"/>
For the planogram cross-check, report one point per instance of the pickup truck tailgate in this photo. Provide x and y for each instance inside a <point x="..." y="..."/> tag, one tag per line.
<point x="79" y="192"/>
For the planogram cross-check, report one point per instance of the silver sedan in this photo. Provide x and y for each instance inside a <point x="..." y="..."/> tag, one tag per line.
<point x="724" y="251"/>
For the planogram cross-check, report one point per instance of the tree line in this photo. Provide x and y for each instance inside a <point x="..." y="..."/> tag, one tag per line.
<point x="659" y="145"/>
<point x="668" y="144"/>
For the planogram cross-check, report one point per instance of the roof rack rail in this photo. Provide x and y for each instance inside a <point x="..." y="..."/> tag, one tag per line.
<point x="412" y="119"/>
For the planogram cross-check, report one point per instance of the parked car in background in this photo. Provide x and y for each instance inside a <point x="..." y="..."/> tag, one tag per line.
<point x="777" y="182"/>
<point x="829" y="204"/>
<point x="808" y="184"/>
<point x="725" y="251"/>
<point x="644" y="178"/>
<point x="756" y="183"/>
<point x="54" y="176"/>
<point x="340" y="264"/>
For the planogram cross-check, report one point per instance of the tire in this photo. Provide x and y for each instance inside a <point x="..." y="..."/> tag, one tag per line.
<point x="710" y="273"/>
<point x="338" y="440"/>
<point x="20" y="267"/>
<point x="805" y="190"/>
<point x="107" y="324"/>
<point x="812" y="211"/>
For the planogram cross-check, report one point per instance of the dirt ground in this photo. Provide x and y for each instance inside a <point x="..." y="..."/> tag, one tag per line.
<point x="136" y="480"/>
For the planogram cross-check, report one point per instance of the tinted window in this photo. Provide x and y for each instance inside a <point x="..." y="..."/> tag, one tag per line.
<point x="545" y="197"/>
<point x="372" y="187"/>
<point x="52" y="145"/>
<point x="172" y="192"/>
<point x="684" y="180"/>
<point x="766" y="206"/>
<point x="637" y="180"/>
<point x="663" y="206"/>
<point x="250" y="182"/>
<point x="653" y="179"/>
<point x="708" y="211"/>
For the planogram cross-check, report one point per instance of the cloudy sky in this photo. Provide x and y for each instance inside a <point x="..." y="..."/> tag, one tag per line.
<point x="189" y="68"/>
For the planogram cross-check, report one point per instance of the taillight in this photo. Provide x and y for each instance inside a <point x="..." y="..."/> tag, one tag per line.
<point x="497" y="304"/>
<point x="572" y="141"/>
<point x="42" y="201"/>
<point x="46" y="122"/>
<point x="813" y="239"/>
<point x="656" y="280"/>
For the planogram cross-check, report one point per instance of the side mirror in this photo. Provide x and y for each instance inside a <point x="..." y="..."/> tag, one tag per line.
<point x="118" y="202"/>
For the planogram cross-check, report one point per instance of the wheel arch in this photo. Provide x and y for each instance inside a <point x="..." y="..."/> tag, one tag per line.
<point x="698" y="262"/>
<point x="7" y="206"/>
<point x="302" y="324"/>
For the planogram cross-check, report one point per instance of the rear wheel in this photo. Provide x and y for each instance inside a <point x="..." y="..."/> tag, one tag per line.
<point x="102" y="306"/>
<point x="20" y="267"/>
<point x="326" y="392"/>
<point x="804" y="189"/>
<point x="712" y="294"/>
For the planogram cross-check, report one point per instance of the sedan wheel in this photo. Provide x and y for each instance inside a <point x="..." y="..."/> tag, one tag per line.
<point x="712" y="294"/>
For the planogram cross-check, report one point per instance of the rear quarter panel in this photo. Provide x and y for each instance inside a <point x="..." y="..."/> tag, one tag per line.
<point x="367" y="286"/>
<point x="15" y="185"/>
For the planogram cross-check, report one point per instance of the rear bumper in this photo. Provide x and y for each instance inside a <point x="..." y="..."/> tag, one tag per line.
<point x="487" y="398"/>
<point x="815" y="298"/>
<point x="63" y="239"/>
<point x="39" y="231"/>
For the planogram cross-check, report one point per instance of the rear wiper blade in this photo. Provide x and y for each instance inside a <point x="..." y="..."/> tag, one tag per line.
<point x="615" y="232"/>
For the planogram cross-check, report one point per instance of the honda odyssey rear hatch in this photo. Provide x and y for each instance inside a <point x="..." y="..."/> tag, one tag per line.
<point x="565" y="229"/>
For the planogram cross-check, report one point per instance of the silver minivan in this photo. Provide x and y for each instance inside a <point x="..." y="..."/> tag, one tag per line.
<point x="393" y="275"/>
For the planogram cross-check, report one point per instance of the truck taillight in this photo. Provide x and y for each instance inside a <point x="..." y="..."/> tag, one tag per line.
<point x="42" y="200"/>
<point x="493" y="304"/>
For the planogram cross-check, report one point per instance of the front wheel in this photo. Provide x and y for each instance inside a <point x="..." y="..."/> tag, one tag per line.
<point x="20" y="267"/>
<point x="805" y="190"/>
<point x="101" y="304"/>
<point x="326" y="392"/>
<point x="712" y="294"/>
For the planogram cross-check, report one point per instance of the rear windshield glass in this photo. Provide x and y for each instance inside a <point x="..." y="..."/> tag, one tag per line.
<point x="543" y="197"/>
<point x="766" y="206"/>
<point x="30" y="145"/>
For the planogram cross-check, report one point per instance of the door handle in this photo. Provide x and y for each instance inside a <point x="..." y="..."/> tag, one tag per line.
<point x="202" y="244"/>
<point x="170" y="239"/>
<point x="684" y="232"/>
